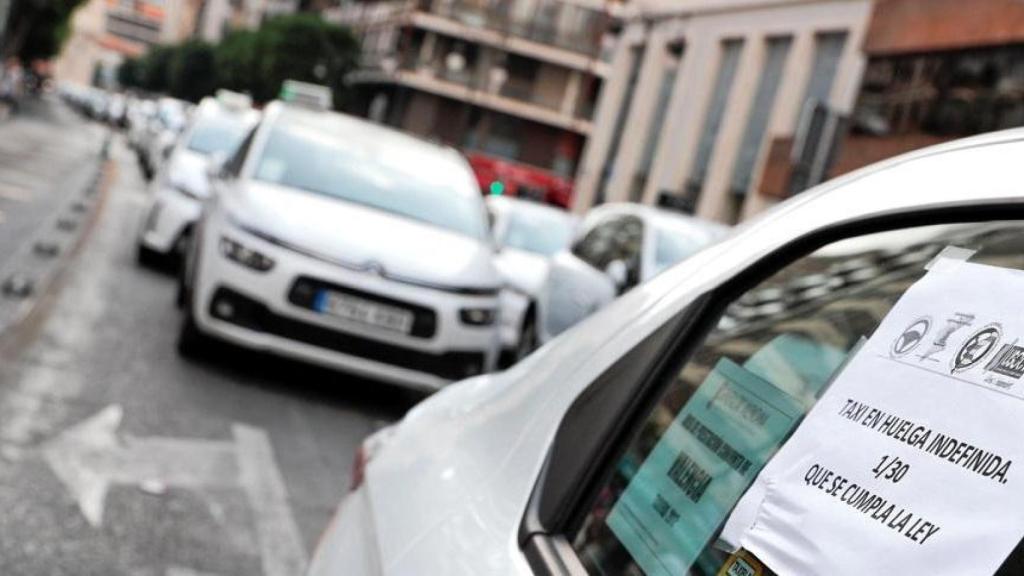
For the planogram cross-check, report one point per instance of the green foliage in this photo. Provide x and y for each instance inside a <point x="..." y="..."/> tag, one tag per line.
<point x="192" y="72"/>
<point x="298" y="47"/>
<point x="36" y="30"/>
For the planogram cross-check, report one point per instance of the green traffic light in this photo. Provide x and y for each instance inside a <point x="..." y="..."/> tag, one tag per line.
<point x="497" y="188"/>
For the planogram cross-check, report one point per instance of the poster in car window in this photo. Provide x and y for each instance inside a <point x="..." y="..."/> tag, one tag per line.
<point x="910" y="462"/>
<point x="698" y="469"/>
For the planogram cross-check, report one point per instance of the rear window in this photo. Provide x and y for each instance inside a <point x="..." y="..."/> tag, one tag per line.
<point x="782" y="342"/>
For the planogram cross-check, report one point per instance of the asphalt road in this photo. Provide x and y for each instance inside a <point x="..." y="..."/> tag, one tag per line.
<point x="119" y="457"/>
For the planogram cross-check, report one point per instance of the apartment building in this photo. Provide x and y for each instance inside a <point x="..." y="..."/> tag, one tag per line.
<point x="104" y="32"/>
<point x="700" y="91"/>
<point x="937" y="70"/>
<point x="510" y="79"/>
<point x="218" y="17"/>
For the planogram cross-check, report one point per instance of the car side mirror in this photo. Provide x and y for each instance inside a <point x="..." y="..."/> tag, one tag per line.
<point x="617" y="272"/>
<point x="215" y="165"/>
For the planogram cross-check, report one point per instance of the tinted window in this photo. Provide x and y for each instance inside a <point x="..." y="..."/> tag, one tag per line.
<point x="217" y="134"/>
<point x="420" y="186"/>
<point x="786" y="337"/>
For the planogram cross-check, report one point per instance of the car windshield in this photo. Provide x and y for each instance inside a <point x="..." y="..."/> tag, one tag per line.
<point x="217" y="133"/>
<point x="542" y="232"/>
<point x="396" y="177"/>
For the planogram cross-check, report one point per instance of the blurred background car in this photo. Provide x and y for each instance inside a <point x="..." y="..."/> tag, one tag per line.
<point x="343" y="243"/>
<point x="217" y="127"/>
<point x="161" y="133"/>
<point x="617" y="247"/>
<point x="526" y="235"/>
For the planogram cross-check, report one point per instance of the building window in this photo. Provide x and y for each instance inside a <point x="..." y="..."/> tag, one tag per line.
<point x="713" y="120"/>
<point x="776" y="51"/>
<point x="828" y="49"/>
<point x="635" y="62"/>
<point x="668" y="82"/>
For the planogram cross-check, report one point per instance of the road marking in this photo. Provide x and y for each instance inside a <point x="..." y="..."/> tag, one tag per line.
<point x="8" y="192"/>
<point x="179" y="571"/>
<point x="281" y="549"/>
<point x="90" y="457"/>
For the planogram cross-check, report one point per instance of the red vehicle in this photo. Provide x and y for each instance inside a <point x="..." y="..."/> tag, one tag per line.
<point x="504" y="177"/>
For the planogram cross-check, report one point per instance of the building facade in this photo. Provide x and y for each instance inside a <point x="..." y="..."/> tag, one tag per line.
<point x="104" y="32"/>
<point x="511" y="79"/>
<point x="700" y="92"/>
<point x="937" y="70"/>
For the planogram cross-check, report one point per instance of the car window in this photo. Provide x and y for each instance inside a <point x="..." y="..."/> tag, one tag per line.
<point x="671" y="247"/>
<point x="782" y="340"/>
<point x="217" y="133"/>
<point x="537" y="231"/>
<point x="619" y="238"/>
<point x="418" y="186"/>
<point x="234" y="164"/>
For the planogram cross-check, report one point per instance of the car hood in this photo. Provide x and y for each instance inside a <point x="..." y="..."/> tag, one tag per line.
<point x="524" y="271"/>
<point x="363" y="238"/>
<point x="187" y="169"/>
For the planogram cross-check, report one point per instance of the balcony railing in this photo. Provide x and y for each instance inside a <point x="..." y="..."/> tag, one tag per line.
<point x="582" y="32"/>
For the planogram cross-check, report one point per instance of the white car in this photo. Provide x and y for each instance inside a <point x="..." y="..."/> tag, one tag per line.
<point x="617" y="247"/>
<point x="538" y="469"/>
<point x="526" y="234"/>
<point x="343" y="243"/>
<point x="217" y="128"/>
<point x="161" y="133"/>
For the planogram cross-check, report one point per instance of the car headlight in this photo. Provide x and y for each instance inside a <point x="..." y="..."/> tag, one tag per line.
<point x="478" y="316"/>
<point x="247" y="257"/>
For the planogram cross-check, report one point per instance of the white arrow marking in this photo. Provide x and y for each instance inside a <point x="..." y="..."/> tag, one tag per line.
<point x="89" y="457"/>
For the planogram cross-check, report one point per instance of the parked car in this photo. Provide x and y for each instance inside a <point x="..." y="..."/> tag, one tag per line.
<point x="161" y="133"/>
<point x="526" y="235"/>
<point x="343" y="243"/>
<point x="217" y="127"/>
<point x="618" y="246"/>
<point x="528" y="471"/>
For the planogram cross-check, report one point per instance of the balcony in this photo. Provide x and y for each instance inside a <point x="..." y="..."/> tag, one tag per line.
<point x="551" y="22"/>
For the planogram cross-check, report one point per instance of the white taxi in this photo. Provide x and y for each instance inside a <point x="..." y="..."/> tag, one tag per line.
<point x="346" y="244"/>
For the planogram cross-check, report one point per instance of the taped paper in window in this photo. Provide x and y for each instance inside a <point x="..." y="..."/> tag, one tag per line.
<point x="908" y="463"/>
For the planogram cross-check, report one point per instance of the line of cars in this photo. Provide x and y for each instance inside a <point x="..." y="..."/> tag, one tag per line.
<point x="318" y="236"/>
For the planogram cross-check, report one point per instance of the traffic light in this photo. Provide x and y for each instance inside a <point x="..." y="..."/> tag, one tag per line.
<point x="497" y="188"/>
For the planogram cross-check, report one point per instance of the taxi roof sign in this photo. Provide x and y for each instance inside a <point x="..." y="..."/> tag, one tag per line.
<point x="234" y="100"/>
<point x="305" y="94"/>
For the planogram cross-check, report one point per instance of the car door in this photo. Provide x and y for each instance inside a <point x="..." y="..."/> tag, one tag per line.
<point x="659" y="453"/>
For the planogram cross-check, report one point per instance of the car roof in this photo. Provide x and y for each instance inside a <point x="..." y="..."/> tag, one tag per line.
<point x="528" y="206"/>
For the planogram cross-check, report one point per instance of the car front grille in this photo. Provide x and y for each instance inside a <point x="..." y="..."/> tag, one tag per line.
<point x="304" y="290"/>
<point x="235" y="308"/>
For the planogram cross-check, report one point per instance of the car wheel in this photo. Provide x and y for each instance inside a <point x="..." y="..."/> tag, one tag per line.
<point x="192" y="343"/>
<point x="146" y="257"/>
<point x="527" y="337"/>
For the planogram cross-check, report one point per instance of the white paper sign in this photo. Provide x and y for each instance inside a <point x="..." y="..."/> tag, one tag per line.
<point x="913" y="461"/>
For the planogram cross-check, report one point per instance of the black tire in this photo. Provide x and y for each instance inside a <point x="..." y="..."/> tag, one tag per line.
<point x="192" y="343"/>
<point x="147" y="257"/>
<point x="527" y="337"/>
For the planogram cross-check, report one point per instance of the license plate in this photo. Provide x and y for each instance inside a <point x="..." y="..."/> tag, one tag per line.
<point x="364" y="311"/>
